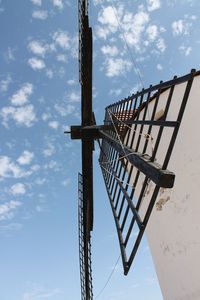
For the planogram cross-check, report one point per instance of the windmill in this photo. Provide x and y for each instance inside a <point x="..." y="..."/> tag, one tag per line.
<point x="137" y="141"/>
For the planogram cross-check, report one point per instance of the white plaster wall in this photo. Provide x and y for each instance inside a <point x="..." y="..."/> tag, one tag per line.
<point x="173" y="230"/>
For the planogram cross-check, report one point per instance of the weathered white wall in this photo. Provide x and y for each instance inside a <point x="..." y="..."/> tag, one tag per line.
<point x="173" y="230"/>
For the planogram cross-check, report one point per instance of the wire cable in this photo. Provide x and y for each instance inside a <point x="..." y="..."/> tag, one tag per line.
<point x="109" y="278"/>
<point x="135" y="66"/>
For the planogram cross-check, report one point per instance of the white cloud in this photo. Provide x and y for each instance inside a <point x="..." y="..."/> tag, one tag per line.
<point x="21" y="115"/>
<point x="161" y="44"/>
<point x="4" y="84"/>
<point x="40" y="181"/>
<point x="102" y="32"/>
<point x="188" y="50"/>
<point x="9" y="55"/>
<point x="185" y="50"/>
<point x="66" y="128"/>
<point x="135" y="27"/>
<point x="116" y="67"/>
<point x="52" y="164"/>
<point x="18" y="189"/>
<point x="110" y="50"/>
<point x="9" y="168"/>
<point x="180" y="27"/>
<point x="153" y="4"/>
<point x="62" y="39"/>
<point x="58" y="3"/>
<point x="66" y="182"/>
<point x="62" y="58"/>
<point x="37" y="2"/>
<point x="34" y="168"/>
<point x="25" y="158"/>
<point x="116" y="92"/>
<point x="40" y="14"/>
<point x="53" y="124"/>
<point x="49" y="73"/>
<point x="46" y="116"/>
<point x="7" y="209"/>
<point x="74" y="97"/>
<point x="159" y="67"/>
<point x="37" y="47"/>
<point x="10" y="227"/>
<point x="22" y="95"/>
<point x="97" y="2"/>
<point x="40" y="293"/>
<point x="65" y="110"/>
<point x="49" y="151"/>
<point x="107" y="17"/>
<point x="132" y="25"/>
<point x="36" y="64"/>
<point x="71" y="82"/>
<point x="152" y="32"/>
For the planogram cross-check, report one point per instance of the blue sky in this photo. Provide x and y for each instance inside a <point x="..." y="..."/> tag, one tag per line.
<point x="40" y="98"/>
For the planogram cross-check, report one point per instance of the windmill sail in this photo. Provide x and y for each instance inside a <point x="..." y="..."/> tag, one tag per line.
<point x="85" y="267"/>
<point x="86" y="179"/>
<point x="135" y="155"/>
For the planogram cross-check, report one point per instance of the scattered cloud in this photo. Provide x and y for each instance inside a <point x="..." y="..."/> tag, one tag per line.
<point x="66" y="182"/>
<point x="49" y="73"/>
<point x="152" y="32"/>
<point x="61" y="38"/>
<point x="11" y="169"/>
<point x="185" y="50"/>
<point x="46" y="116"/>
<point x="65" y="110"/>
<point x="161" y="44"/>
<point x="52" y="164"/>
<point x="58" y="4"/>
<point x="8" y="209"/>
<point x="116" y="67"/>
<point x="49" y="151"/>
<point x="21" y="115"/>
<point x="153" y="4"/>
<point x="110" y="50"/>
<point x="54" y="124"/>
<point x="37" y="47"/>
<point x="40" y="181"/>
<point x="36" y="64"/>
<point x="115" y="92"/>
<point x="18" y="189"/>
<point x="9" y="55"/>
<point x="37" y="2"/>
<point x="71" y="82"/>
<point x="61" y="57"/>
<point x="66" y="128"/>
<point x="25" y="158"/>
<point x="180" y="27"/>
<point x="22" y="95"/>
<point x="4" y="84"/>
<point x="107" y="17"/>
<point x="40" y="14"/>
<point x="8" y="168"/>
<point x="74" y="97"/>
<point x="40" y="294"/>
<point x="135" y="28"/>
<point x="10" y="227"/>
<point x="159" y="67"/>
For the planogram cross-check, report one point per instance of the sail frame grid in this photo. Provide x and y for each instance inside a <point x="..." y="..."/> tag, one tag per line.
<point x="131" y="172"/>
<point x="85" y="273"/>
